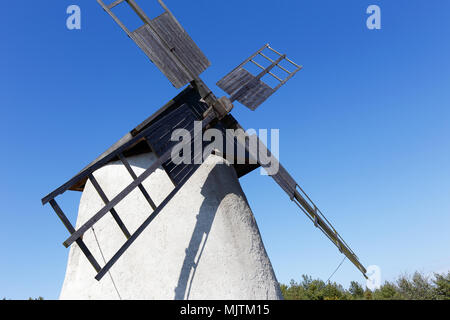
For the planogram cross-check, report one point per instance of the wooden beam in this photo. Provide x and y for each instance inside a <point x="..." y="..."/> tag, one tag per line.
<point x="115" y="3"/>
<point x="71" y="229"/>
<point x="106" y="200"/>
<point x="133" y="175"/>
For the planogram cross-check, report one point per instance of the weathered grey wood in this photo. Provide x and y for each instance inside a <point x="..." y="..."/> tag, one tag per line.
<point x="140" y="186"/>
<point x="115" y="3"/>
<point x="156" y="51"/>
<point x="235" y="80"/>
<point x="181" y="44"/>
<point x="261" y="67"/>
<point x="71" y="229"/>
<point x="271" y="60"/>
<point x="169" y="46"/>
<point x="115" y="18"/>
<point x="288" y="60"/>
<point x="113" y="211"/>
<point x="246" y="61"/>
<point x="171" y="49"/>
<point x="245" y="88"/>
<point x="249" y="90"/>
<point x="179" y="99"/>
<point x="253" y="94"/>
<point x="166" y="43"/>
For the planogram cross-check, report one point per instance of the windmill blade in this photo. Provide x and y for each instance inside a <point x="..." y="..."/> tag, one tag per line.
<point x="165" y="42"/>
<point x="251" y="90"/>
<point x="274" y="169"/>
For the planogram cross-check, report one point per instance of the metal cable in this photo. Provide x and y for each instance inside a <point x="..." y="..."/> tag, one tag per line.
<point x="337" y="269"/>
<point x="104" y="260"/>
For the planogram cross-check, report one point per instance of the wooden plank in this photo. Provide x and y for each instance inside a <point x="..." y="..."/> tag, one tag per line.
<point x="253" y="94"/>
<point x="250" y="90"/>
<point x="106" y="200"/>
<point x="243" y="63"/>
<point x="245" y="88"/>
<point x="235" y="80"/>
<point x="71" y="229"/>
<point x="169" y="106"/>
<point x="133" y="175"/>
<point x="181" y="44"/>
<point x="181" y="118"/>
<point x="169" y="46"/>
<point x="150" y="43"/>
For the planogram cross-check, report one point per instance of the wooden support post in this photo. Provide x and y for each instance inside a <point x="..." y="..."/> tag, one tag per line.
<point x="71" y="229"/>
<point x="140" y="186"/>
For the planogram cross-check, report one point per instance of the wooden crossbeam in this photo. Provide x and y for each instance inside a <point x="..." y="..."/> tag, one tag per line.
<point x="71" y="229"/>
<point x="106" y="200"/>
<point x="133" y="175"/>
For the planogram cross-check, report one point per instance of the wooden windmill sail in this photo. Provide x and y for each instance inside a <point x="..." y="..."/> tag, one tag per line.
<point x="172" y="50"/>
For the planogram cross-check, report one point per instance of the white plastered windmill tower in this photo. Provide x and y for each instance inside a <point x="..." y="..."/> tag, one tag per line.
<point x="151" y="228"/>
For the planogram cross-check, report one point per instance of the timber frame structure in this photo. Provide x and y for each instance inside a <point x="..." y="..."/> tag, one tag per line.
<point x="171" y="49"/>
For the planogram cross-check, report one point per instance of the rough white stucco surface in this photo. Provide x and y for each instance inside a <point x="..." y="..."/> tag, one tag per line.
<point x="204" y="245"/>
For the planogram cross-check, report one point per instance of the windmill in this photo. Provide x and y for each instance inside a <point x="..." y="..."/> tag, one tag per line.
<point x="171" y="49"/>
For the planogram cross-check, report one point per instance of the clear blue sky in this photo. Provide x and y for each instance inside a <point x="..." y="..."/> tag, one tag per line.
<point x="364" y="128"/>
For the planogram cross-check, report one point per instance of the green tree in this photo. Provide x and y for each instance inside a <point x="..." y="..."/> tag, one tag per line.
<point x="368" y="295"/>
<point x="356" y="290"/>
<point x="388" y="291"/>
<point x="417" y="287"/>
<point x="442" y="286"/>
